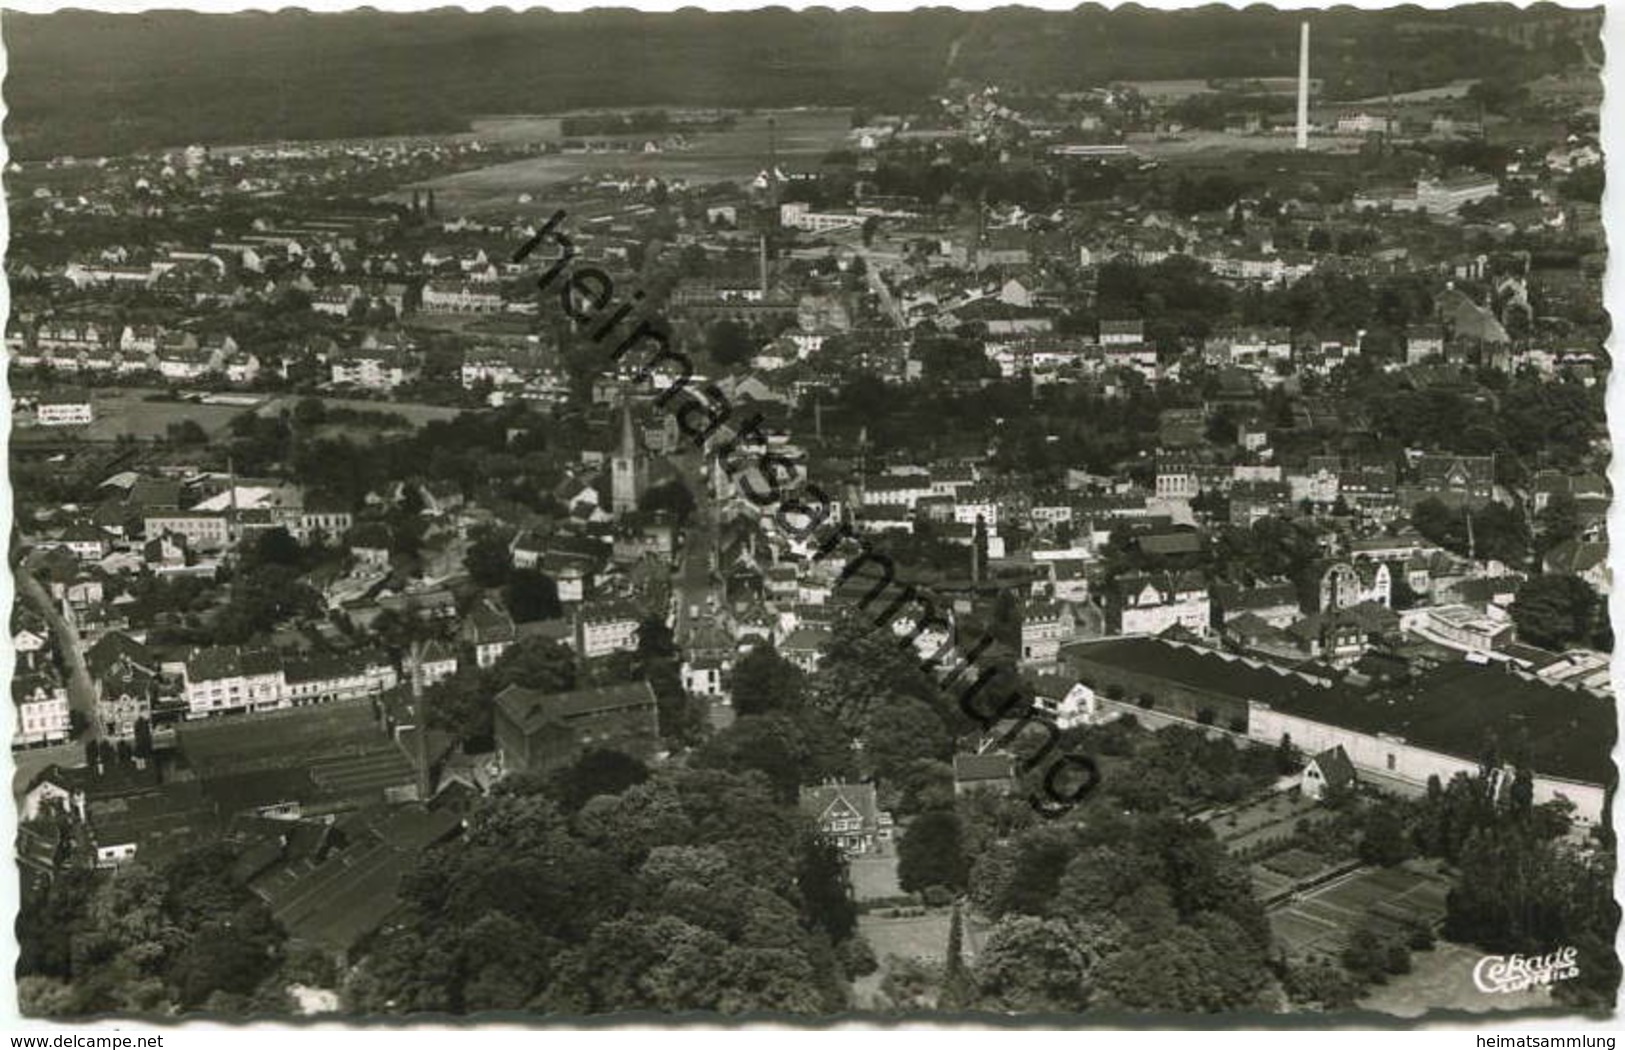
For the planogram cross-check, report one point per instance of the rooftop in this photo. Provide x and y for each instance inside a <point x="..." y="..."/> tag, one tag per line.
<point x="530" y="708"/>
<point x="1452" y="709"/>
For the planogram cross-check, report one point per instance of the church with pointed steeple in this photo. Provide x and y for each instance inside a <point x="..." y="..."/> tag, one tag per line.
<point x="628" y="468"/>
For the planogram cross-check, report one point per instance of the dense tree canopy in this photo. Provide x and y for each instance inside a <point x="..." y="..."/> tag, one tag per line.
<point x="689" y="891"/>
<point x="1558" y="611"/>
<point x="184" y="935"/>
<point x="931" y="853"/>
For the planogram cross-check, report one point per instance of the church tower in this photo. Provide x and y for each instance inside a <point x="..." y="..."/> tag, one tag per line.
<point x="628" y="469"/>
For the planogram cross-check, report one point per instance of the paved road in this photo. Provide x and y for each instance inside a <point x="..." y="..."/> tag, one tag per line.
<point x="693" y="583"/>
<point x="882" y="290"/>
<point x="877" y="283"/>
<point x="81" y="692"/>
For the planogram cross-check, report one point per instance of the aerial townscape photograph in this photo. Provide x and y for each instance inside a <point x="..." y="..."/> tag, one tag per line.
<point x="1091" y="513"/>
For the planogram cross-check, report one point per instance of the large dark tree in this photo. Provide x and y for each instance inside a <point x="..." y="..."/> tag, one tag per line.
<point x="764" y="681"/>
<point x="488" y="560"/>
<point x="534" y="664"/>
<point x="684" y="892"/>
<point x="826" y="889"/>
<point x="729" y="343"/>
<point x="595" y="772"/>
<point x="1528" y="893"/>
<point x="1558" y="522"/>
<point x="531" y="594"/>
<point x="930" y="853"/>
<point x="1555" y="611"/>
<point x="790" y="749"/>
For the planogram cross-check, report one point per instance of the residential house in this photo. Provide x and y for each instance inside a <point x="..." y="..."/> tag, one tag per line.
<point x="1122" y="333"/>
<point x="847" y="815"/>
<point x="437" y="662"/>
<point x="1424" y="343"/>
<point x="702" y="676"/>
<point x="42" y="710"/>
<point x="1587" y="559"/>
<point x="1346" y="584"/>
<point x="370" y="545"/>
<point x="229" y="678"/>
<point x="602" y="628"/>
<point x="63" y="339"/>
<point x="87" y="542"/>
<point x="490" y="630"/>
<point x="1275" y="603"/>
<point x="804" y="646"/>
<point x="1326" y="772"/>
<point x="993" y="772"/>
<point x="124" y="696"/>
<point x="179" y="358"/>
<point x="1147" y="604"/>
<point x="1045" y="627"/>
<point x="322" y="678"/>
<point x="381" y="368"/>
<point x="1453" y="480"/>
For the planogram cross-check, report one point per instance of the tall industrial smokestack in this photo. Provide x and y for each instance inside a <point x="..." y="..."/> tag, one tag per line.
<point x="1303" y="87"/>
<point x="420" y="730"/>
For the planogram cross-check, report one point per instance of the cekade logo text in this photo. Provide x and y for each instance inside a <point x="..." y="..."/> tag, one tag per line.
<point x="1517" y="973"/>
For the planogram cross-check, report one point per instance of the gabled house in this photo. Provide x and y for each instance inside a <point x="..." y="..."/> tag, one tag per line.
<point x="41" y="704"/>
<point x="1146" y="604"/>
<point x="1346" y="584"/>
<point x="124" y="696"/>
<point x="848" y="815"/>
<point x="490" y="630"/>
<point x="1275" y="603"/>
<point x="381" y="368"/>
<point x="1453" y="480"/>
<point x="1587" y="559"/>
<point x="180" y="358"/>
<point x="369" y="544"/>
<point x="993" y="772"/>
<point x="439" y="662"/>
<point x="1328" y="771"/>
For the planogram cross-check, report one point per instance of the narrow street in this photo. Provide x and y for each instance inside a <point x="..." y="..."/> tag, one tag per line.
<point x="693" y="584"/>
<point x="81" y="691"/>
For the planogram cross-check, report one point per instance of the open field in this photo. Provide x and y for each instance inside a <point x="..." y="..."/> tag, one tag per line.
<point x="874" y="877"/>
<point x="415" y="413"/>
<point x="923" y="937"/>
<point x="1196" y="141"/>
<point x="517" y="128"/>
<point x="1173" y="90"/>
<point x="736" y="153"/>
<point x="1454" y="89"/>
<point x="1321" y="920"/>
<point x="125" y="411"/>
